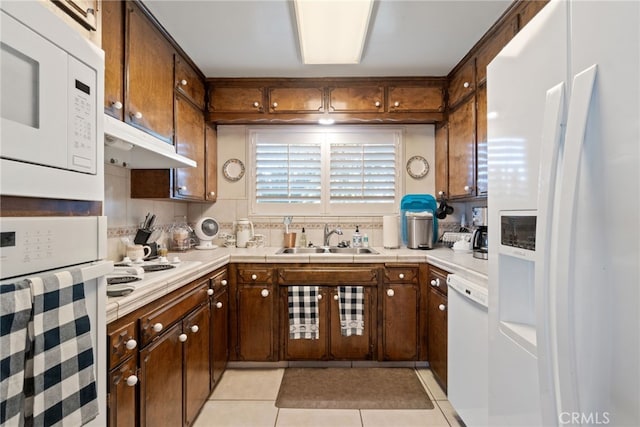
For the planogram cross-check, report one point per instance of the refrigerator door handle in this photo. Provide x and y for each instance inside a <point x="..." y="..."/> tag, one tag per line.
<point x="562" y="245"/>
<point x="552" y="133"/>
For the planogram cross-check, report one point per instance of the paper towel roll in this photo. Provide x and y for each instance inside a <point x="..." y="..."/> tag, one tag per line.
<point x="391" y="231"/>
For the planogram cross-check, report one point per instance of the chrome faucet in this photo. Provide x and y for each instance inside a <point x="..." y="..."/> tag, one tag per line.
<point x="327" y="233"/>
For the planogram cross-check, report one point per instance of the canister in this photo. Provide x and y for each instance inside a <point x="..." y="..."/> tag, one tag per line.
<point x="419" y="230"/>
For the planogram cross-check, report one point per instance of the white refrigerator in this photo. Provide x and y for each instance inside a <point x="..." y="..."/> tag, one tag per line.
<point x="564" y="218"/>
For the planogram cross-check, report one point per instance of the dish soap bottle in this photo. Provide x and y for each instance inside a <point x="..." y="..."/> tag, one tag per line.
<point x="356" y="239"/>
<point x="303" y="239"/>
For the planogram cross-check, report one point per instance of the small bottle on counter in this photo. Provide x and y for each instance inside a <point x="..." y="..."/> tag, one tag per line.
<point x="365" y="241"/>
<point x="303" y="239"/>
<point x="356" y="239"/>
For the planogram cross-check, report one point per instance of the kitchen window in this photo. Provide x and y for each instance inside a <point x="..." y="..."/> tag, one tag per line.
<point x="308" y="170"/>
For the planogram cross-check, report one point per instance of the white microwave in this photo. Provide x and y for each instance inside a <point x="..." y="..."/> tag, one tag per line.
<point x="52" y="89"/>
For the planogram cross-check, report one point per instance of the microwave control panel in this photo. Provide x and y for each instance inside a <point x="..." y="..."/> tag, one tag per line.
<point x="82" y="117"/>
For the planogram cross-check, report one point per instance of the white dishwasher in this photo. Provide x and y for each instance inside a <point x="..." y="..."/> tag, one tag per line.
<point x="467" y="358"/>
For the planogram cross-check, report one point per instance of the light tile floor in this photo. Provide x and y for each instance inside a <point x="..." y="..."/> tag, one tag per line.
<point x="246" y="397"/>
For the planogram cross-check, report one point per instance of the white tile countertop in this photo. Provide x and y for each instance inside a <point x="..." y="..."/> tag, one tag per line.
<point x="195" y="263"/>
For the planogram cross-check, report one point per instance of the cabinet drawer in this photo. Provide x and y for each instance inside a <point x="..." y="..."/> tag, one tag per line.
<point x="188" y="82"/>
<point x="401" y="275"/>
<point x="119" y="339"/>
<point x="159" y="320"/>
<point x="251" y="275"/>
<point x="327" y="275"/>
<point x="438" y="280"/>
<point x="219" y="281"/>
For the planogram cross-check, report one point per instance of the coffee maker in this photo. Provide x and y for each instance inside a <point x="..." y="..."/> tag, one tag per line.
<point x="480" y="241"/>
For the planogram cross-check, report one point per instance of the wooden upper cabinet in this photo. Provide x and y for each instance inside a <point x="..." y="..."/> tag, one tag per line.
<point x="223" y="99"/>
<point x="481" y="141"/>
<point x="211" y="155"/>
<point x="113" y="45"/>
<point x="149" y="74"/>
<point x="462" y="83"/>
<point x="356" y="99"/>
<point x="462" y="150"/>
<point x="442" y="160"/>
<point x="188" y="82"/>
<point x="493" y="46"/>
<point x="528" y="10"/>
<point x="190" y="182"/>
<point x="403" y="99"/>
<point x="296" y="100"/>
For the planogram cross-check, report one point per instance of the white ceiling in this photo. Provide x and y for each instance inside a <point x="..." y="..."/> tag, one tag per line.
<point x="258" y="38"/>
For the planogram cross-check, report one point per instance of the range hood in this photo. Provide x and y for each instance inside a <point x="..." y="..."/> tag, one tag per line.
<point x="126" y="146"/>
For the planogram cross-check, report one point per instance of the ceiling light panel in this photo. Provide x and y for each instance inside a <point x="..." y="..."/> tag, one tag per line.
<point x="332" y="31"/>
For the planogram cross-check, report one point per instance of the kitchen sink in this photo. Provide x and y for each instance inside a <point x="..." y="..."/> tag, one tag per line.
<point x="327" y="250"/>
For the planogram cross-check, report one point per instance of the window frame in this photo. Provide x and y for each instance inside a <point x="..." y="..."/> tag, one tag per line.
<point x="325" y="208"/>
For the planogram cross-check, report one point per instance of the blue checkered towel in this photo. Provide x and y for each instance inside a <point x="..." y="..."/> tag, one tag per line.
<point x="351" y="304"/>
<point x="303" y="312"/>
<point x="59" y="379"/>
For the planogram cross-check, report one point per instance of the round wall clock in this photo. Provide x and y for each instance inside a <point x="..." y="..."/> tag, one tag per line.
<point x="233" y="169"/>
<point x="417" y="167"/>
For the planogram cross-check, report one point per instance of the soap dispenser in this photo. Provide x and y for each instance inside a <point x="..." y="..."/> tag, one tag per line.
<point x="356" y="239"/>
<point x="303" y="239"/>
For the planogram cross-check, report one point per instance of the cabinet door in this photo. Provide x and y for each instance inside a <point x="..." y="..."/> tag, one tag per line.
<point x="197" y="369"/>
<point x="149" y="86"/>
<point x="353" y="347"/>
<point x="220" y="335"/>
<point x="296" y="100"/>
<point x="437" y="335"/>
<point x="161" y="380"/>
<point x="462" y="83"/>
<point x="493" y="45"/>
<point x="400" y="322"/>
<point x="356" y="99"/>
<point x="190" y="182"/>
<point x="113" y="45"/>
<point x="462" y="149"/>
<point x="211" y="164"/>
<point x="236" y="99"/>
<point x="121" y="396"/>
<point x="188" y="82"/>
<point x="481" y="141"/>
<point x="415" y="99"/>
<point x="255" y="317"/>
<point x="528" y="10"/>
<point x="305" y="349"/>
<point x="442" y="160"/>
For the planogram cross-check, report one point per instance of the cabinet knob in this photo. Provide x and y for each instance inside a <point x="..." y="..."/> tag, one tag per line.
<point x="435" y="282"/>
<point x="219" y="304"/>
<point x="132" y="380"/>
<point x="396" y="104"/>
<point x="335" y="297"/>
<point x="224" y="282"/>
<point x="195" y="328"/>
<point x="390" y="292"/>
<point x="254" y="276"/>
<point x="377" y="103"/>
<point x="466" y="84"/>
<point x="183" y="82"/>
<point x="117" y="105"/>
<point x="182" y="188"/>
<point x="264" y="293"/>
<point x="131" y="344"/>
<point x="209" y="292"/>
<point x="274" y="105"/>
<point x="440" y="193"/>
<point x="256" y="104"/>
<point x="157" y="327"/>
<point x="401" y="275"/>
<point x="182" y="337"/>
<point x="212" y="193"/>
<point x="137" y="115"/>
<point x="467" y="189"/>
<point x="442" y="307"/>
<point x="319" y="297"/>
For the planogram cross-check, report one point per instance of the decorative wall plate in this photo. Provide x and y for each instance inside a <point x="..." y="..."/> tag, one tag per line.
<point x="417" y="167"/>
<point x="233" y="169"/>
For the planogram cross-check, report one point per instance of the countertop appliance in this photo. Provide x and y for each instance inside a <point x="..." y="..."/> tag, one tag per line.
<point x="480" y="242"/>
<point x="52" y="84"/>
<point x="34" y="246"/>
<point x="563" y="167"/>
<point x="467" y="350"/>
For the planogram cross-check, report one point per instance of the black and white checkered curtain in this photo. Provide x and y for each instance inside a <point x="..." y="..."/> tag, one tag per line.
<point x="351" y="304"/>
<point x="48" y="366"/>
<point x="303" y="312"/>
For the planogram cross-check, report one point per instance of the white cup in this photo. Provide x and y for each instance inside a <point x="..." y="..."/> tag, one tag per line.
<point x="138" y="251"/>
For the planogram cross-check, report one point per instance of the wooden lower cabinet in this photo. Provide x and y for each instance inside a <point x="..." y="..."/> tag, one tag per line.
<point x="219" y="335"/>
<point x="197" y="384"/>
<point x="401" y="322"/>
<point x="437" y="325"/>
<point x="122" y="396"/>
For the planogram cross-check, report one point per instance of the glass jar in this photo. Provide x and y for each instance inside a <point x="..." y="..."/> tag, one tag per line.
<point x="180" y="233"/>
